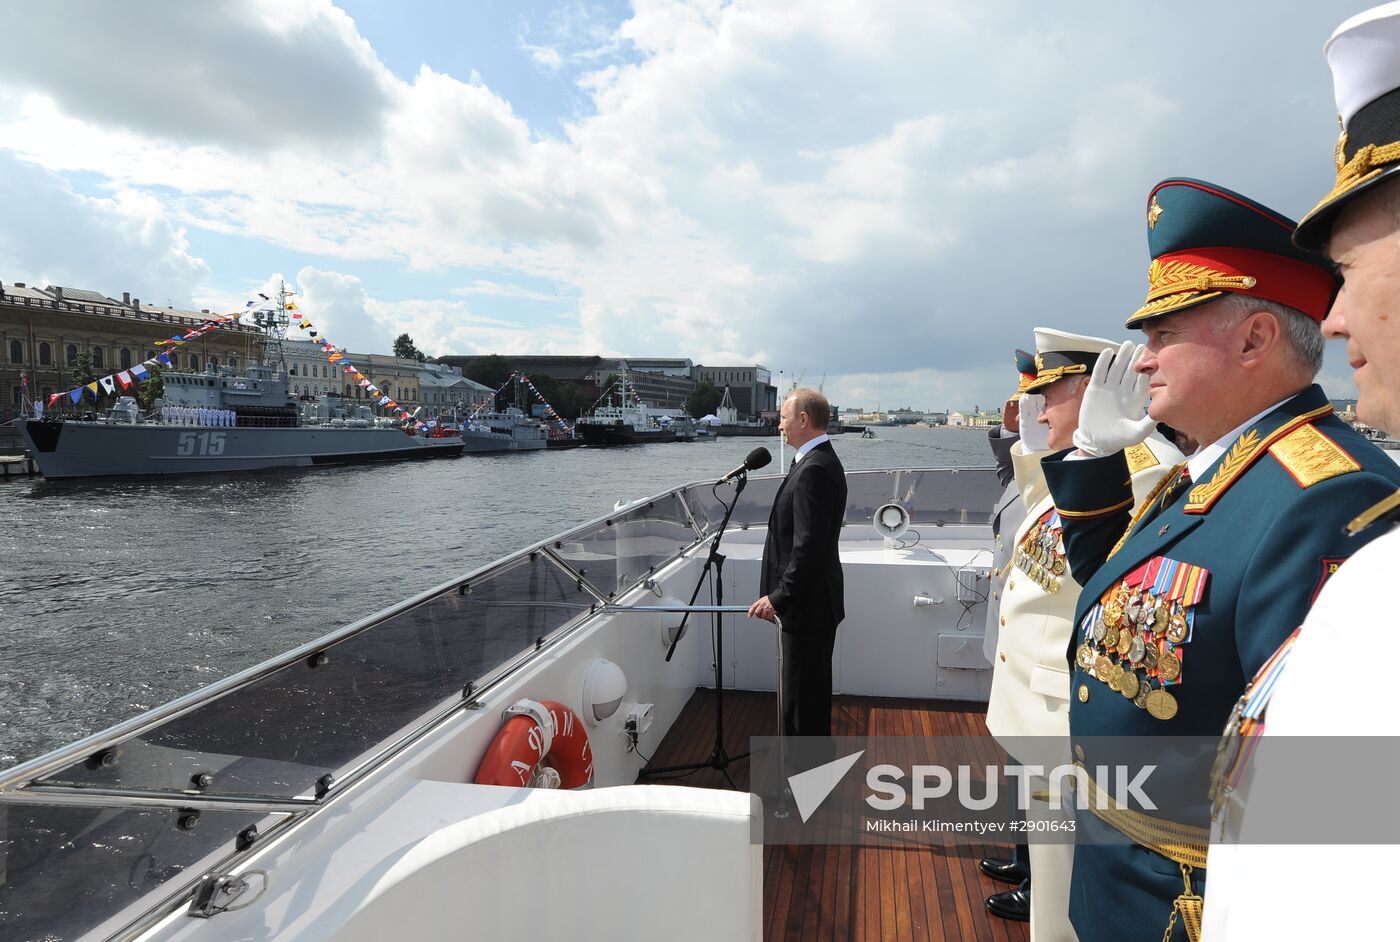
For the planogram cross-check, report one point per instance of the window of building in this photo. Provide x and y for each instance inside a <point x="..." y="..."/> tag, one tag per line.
<point x="347" y="390"/>
<point x="98" y="359"/>
<point x="214" y="362"/>
<point x="175" y="360"/>
<point x="194" y="363"/>
<point x="233" y="363"/>
<point x="293" y="369"/>
<point x="72" y="354"/>
<point x="16" y="352"/>
<point x="126" y="358"/>
<point x="45" y="355"/>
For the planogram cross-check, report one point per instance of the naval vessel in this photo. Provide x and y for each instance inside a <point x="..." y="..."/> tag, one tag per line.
<point x="621" y="419"/>
<point x="221" y="420"/>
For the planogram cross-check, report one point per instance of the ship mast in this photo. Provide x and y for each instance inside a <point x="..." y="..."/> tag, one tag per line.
<point x="271" y="318"/>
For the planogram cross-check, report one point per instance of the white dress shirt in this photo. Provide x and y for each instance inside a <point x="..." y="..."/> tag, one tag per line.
<point x="801" y="452"/>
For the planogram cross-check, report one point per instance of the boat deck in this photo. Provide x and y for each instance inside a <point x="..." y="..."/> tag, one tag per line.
<point x="839" y="892"/>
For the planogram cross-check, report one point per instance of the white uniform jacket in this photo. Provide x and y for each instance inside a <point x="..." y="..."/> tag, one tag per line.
<point x="1030" y="675"/>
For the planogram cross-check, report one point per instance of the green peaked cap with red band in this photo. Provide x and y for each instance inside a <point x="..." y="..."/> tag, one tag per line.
<point x="1207" y="242"/>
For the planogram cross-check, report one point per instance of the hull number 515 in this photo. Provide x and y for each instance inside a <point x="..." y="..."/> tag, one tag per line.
<point x="200" y="443"/>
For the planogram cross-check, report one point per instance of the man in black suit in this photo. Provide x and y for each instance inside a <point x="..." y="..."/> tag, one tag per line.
<point x="801" y="578"/>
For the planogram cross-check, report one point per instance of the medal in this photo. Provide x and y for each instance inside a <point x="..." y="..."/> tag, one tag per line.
<point x="1115" y="676"/>
<point x="1177" y="628"/>
<point x="1100" y="628"/>
<point x="1125" y="642"/>
<point x="1136" y="649"/>
<point x="1140" y="701"/>
<point x="1110" y="638"/>
<point x="1149" y="655"/>
<point x="1225" y="752"/>
<point x="1058" y="566"/>
<point x="1085" y="657"/>
<point x="1128" y="685"/>
<point x="1169" y="666"/>
<point x="1159" y="619"/>
<point x="1161" y="704"/>
<point x="1113" y="613"/>
<point x="1102" y="667"/>
<point x="1133" y="610"/>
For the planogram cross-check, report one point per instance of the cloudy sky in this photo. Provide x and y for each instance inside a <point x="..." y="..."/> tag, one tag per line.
<point x="887" y="194"/>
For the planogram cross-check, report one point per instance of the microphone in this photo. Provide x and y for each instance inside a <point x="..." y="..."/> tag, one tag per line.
<point x="756" y="459"/>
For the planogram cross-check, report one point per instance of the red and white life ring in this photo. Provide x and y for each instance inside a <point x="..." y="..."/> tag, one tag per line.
<point x="537" y="731"/>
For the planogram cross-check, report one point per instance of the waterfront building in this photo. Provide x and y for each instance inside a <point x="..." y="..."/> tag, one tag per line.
<point x="661" y="383"/>
<point x="750" y="388"/>
<point x="46" y="331"/>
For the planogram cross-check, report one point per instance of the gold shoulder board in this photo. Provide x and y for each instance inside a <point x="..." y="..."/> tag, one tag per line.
<point x="1140" y="458"/>
<point x="1311" y="457"/>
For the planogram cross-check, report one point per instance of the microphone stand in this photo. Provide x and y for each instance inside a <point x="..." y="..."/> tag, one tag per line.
<point x="719" y="758"/>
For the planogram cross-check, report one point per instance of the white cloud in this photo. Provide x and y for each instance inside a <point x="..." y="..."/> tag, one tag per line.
<point x="54" y="235"/>
<point x="893" y="194"/>
<point x="243" y="74"/>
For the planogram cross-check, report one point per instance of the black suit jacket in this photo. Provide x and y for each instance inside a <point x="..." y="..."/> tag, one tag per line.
<point x="801" y="556"/>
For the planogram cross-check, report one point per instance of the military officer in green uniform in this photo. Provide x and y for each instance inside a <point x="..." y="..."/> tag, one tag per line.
<point x="1185" y="599"/>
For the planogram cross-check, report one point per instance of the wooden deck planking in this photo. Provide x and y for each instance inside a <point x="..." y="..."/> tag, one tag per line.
<point x="836" y="892"/>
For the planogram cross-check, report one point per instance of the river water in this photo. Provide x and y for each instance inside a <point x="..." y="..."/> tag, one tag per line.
<point x="118" y="595"/>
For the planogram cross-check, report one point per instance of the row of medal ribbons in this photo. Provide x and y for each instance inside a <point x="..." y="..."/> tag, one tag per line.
<point x="1133" y="635"/>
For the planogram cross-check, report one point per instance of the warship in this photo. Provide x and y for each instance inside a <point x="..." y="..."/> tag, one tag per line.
<point x="621" y="419"/>
<point x="225" y="420"/>
<point x="511" y="430"/>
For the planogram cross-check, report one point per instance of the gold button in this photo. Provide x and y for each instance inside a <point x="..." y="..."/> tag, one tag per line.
<point x="995" y="595"/>
<point x="1083" y="698"/>
<point x="1003" y="621"/>
<point x="1003" y="655"/>
<point x="1012" y="585"/>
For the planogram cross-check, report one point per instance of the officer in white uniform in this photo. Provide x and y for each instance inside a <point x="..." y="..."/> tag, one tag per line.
<point x="1028" y="711"/>
<point x="1314" y="686"/>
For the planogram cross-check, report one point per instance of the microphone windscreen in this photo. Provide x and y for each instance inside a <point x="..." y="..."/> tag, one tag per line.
<point x="758" y="458"/>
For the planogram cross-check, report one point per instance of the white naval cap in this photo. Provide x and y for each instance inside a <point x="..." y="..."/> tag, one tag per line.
<point x="1059" y="354"/>
<point x="1364" y="56"/>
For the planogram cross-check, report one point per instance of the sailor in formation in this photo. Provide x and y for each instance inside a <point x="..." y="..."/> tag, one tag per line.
<point x="1028" y="711"/>
<point x="1309" y="687"/>
<point x="1187" y="596"/>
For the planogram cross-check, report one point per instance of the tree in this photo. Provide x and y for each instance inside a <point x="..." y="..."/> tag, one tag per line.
<point x="704" y="400"/>
<point x="404" y="347"/>
<point x="82" y="370"/>
<point x="151" y="389"/>
<point x="491" y="371"/>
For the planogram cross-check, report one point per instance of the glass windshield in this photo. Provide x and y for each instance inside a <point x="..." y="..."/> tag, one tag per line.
<point x="618" y="552"/>
<point x="276" y="736"/>
<point x="65" y="870"/>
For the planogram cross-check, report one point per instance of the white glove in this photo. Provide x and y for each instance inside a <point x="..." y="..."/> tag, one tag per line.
<point x="1111" y="416"/>
<point x="1034" y="436"/>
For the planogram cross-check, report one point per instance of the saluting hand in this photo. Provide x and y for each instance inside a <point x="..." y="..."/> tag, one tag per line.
<point x="1111" y="417"/>
<point x="763" y="609"/>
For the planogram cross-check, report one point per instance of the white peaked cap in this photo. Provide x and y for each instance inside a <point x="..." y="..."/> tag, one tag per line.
<point x="1364" y="55"/>
<point x="1049" y="340"/>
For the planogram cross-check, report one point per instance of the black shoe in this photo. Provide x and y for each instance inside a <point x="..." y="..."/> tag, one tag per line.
<point x="1007" y="871"/>
<point x="1013" y="904"/>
